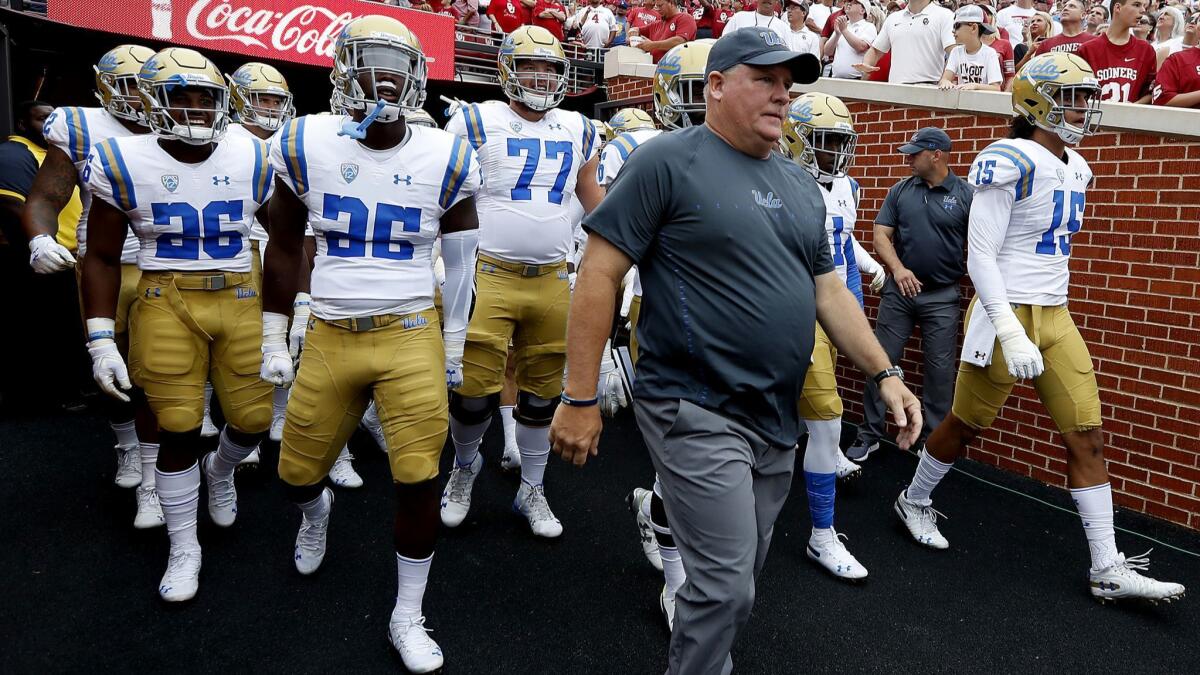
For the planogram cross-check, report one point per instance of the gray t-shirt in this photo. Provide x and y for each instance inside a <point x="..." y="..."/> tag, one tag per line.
<point x="727" y="247"/>
<point x="931" y="227"/>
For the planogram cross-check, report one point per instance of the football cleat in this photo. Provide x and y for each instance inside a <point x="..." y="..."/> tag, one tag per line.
<point x="149" y="511"/>
<point x="129" y="466"/>
<point x="411" y="638"/>
<point x="531" y="503"/>
<point x="666" y="604"/>
<point x="634" y="501"/>
<point x="825" y="548"/>
<point x="312" y="537"/>
<point x="342" y="472"/>
<point x="921" y="521"/>
<point x="511" y="460"/>
<point x="370" y="422"/>
<point x="222" y="494"/>
<point x="182" y="578"/>
<point x="251" y="461"/>
<point x="456" y="497"/>
<point x="1121" y="581"/>
<point x="845" y="469"/>
<point x="861" y="450"/>
<point x="207" y="428"/>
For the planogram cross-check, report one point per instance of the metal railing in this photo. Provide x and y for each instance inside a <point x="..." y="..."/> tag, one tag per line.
<point x="476" y="51"/>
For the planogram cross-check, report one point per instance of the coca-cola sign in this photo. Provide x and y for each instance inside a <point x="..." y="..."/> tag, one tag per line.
<point x="261" y="29"/>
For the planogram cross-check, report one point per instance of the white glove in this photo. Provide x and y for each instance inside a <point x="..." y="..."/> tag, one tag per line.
<point x="47" y="256"/>
<point x="879" y="279"/>
<point x="627" y="292"/>
<point x="1023" y="358"/>
<point x="611" y="387"/>
<point x="301" y="310"/>
<point x="276" y="362"/>
<point x="571" y="277"/>
<point x="454" y="355"/>
<point x="108" y="368"/>
<point x="439" y="271"/>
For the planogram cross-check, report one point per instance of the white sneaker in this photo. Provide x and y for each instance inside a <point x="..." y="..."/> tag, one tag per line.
<point x="207" y="428"/>
<point x="129" y="466"/>
<point x="342" y="472"/>
<point x="845" y="469"/>
<point x="921" y="521"/>
<point x="456" y="497"/>
<point x="276" y="432"/>
<point x="149" y="511"/>
<point x="666" y="604"/>
<point x="370" y="422"/>
<point x="1120" y="581"/>
<point x="312" y="537"/>
<point x="411" y="638"/>
<point x="634" y="501"/>
<point x="222" y="494"/>
<point x="510" y="461"/>
<point x="531" y="503"/>
<point x="182" y="578"/>
<point x="825" y="547"/>
<point x="251" y="461"/>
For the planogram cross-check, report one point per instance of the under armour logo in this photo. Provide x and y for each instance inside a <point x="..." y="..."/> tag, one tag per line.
<point x="1078" y="176"/>
<point x="220" y="180"/>
<point x="979" y="355"/>
<point x="842" y="203"/>
<point x="555" y="126"/>
<point x="396" y="179"/>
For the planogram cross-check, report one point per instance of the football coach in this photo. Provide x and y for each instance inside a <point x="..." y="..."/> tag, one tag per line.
<point x="730" y="242"/>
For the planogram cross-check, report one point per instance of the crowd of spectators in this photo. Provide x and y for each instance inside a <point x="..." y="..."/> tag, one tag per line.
<point x="965" y="44"/>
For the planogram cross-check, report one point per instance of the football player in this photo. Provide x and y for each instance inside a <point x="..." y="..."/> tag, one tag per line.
<point x="536" y="161"/>
<point x="377" y="193"/>
<point x="190" y="196"/>
<point x="1018" y="326"/>
<point x="678" y="103"/>
<point x="70" y="134"/>
<point x="819" y="135"/>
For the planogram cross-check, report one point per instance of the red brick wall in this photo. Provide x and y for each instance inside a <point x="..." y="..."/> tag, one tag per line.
<point x="1135" y="294"/>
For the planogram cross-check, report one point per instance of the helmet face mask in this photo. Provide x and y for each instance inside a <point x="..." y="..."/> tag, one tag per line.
<point x="368" y="70"/>
<point x="1078" y="101"/>
<point x="533" y="68"/>
<point x="1058" y="92"/>
<point x="116" y="81"/>
<point x="184" y="97"/>
<point x="260" y="96"/>
<point x="832" y="152"/>
<point x="679" y="81"/>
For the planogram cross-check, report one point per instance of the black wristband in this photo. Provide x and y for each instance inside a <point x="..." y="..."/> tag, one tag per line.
<point x="578" y="402"/>
<point x="893" y="371"/>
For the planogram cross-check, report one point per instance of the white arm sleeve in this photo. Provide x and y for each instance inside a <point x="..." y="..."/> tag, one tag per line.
<point x="864" y="260"/>
<point x="458" y="254"/>
<point x="987" y="226"/>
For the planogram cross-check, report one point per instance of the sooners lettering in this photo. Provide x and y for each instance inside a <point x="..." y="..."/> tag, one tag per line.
<point x="303" y="29"/>
<point x="1105" y="74"/>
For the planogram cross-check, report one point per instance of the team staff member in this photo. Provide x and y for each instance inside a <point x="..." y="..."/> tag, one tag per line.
<point x="718" y="407"/>
<point x="920" y="235"/>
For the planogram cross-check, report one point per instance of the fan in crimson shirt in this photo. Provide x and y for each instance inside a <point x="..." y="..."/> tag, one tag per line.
<point x="1178" y="82"/>
<point x="720" y="18"/>
<point x="509" y="15"/>
<point x="639" y="17"/>
<point x="1073" y="34"/>
<point x="674" y="28"/>
<point x="552" y="23"/>
<point x="1124" y="64"/>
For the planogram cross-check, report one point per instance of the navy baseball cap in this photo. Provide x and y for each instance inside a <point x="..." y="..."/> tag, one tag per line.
<point x="929" y="138"/>
<point x="761" y="47"/>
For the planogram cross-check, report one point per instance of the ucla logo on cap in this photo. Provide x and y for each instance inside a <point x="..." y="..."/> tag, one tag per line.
<point x="771" y="38"/>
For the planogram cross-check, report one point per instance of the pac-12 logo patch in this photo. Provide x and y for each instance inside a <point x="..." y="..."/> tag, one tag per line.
<point x="171" y="182"/>
<point x="349" y="172"/>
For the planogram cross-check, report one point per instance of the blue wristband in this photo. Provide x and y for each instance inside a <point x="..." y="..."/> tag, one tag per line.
<point x="578" y="402"/>
<point x="101" y="335"/>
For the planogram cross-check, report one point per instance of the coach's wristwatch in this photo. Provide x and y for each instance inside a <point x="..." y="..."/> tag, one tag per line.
<point x="894" y="371"/>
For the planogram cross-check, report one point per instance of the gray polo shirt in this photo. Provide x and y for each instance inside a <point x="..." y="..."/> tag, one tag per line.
<point x="931" y="227"/>
<point x="727" y="247"/>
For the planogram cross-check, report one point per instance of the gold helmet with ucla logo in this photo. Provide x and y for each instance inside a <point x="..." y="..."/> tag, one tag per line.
<point x="116" y="81"/>
<point x="260" y="96"/>
<point x="627" y="119"/>
<point x="177" y="68"/>
<point x="1052" y="85"/>
<point x="819" y="123"/>
<point x="679" y="80"/>
<point x="378" y="68"/>
<point x="533" y="43"/>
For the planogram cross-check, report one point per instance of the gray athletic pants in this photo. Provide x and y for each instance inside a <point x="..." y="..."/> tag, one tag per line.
<point x="939" y="315"/>
<point x="723" y="487"/>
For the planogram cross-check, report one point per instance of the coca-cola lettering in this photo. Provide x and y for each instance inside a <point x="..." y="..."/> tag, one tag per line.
<point x="303" y="29"/>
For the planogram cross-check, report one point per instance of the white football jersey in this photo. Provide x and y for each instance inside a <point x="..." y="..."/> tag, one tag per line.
<point x="375" y="214"/>
<point x="529" y="169"/>
<point x="841" y="215"/>
<point x="616" y="153"/>
<point x="1049" y="198"/>
<point x="188" y="217"/>
<point x="75" y="131"/>
<point x="257" y="231"/>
